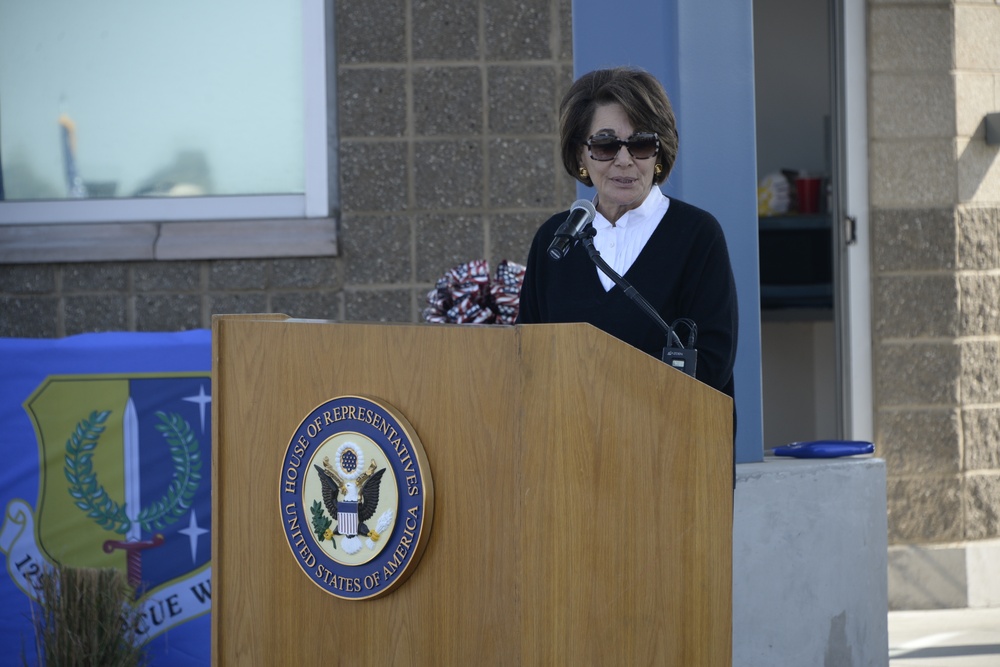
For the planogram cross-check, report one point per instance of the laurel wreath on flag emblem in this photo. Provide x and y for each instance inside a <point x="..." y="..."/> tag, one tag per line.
<point x="91" y="497"/>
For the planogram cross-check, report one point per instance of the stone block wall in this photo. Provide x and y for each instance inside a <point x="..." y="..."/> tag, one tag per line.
<point x="448" y="152"/>
<point x="446" y="116"/>
<point x="935" y="196"/>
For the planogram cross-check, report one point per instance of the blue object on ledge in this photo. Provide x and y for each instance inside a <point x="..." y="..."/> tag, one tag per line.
<point x="825" y="449"/>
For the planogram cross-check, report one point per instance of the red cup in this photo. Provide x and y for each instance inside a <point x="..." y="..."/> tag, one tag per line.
<point x="808" y="192"/>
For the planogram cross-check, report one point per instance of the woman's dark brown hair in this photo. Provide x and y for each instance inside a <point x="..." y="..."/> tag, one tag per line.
<point x="641" y="96"/>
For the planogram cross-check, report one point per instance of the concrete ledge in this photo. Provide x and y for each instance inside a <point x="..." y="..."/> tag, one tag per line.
<point x="302" y="237"/>
<point x="179" y="240"/>
<point x="809" y="563"/>
<point x="945" y="576"/>
<point x="84" y="242"/>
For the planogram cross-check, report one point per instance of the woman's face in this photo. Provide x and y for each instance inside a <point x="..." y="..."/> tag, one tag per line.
<point x="623" y="182"/>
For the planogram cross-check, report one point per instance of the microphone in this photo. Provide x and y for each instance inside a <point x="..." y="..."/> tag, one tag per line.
<point x="580" y="215"/>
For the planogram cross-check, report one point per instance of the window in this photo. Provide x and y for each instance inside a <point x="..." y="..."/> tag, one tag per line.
<point x="113" y="111"/>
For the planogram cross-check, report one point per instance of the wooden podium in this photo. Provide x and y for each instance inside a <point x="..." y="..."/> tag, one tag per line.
<point x="583" y="498"/>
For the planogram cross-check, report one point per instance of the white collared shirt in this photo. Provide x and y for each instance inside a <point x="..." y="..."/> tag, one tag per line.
<point x="621" y="243"/>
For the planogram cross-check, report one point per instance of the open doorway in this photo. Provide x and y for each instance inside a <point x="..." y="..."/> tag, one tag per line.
<point x="797" y="166"/>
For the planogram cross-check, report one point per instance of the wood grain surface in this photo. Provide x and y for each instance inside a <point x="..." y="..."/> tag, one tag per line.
<point x="582" y="498"/>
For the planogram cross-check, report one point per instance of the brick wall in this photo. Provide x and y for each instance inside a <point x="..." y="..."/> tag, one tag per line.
<point x="448" y="152"/>
<point x="935" y="196"/>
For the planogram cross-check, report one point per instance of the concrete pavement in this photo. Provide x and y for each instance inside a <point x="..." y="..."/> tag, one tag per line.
<point x="945" y="638"/>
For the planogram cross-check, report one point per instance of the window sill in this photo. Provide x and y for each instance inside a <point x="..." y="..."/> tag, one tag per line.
<point x="165" y="241"/>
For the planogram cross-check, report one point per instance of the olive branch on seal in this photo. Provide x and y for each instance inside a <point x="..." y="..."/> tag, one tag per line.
<point x="91" y="497"/>
<point x="321" y="523"/>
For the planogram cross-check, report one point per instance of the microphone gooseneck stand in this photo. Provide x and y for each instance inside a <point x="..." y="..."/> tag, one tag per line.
<point x="675" y="354"/>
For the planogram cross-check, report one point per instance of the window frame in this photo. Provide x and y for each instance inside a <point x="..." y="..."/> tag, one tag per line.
<point x="280" y="225"/>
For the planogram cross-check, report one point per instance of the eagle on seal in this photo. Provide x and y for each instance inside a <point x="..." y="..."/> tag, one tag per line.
<point x="359" y="502"/>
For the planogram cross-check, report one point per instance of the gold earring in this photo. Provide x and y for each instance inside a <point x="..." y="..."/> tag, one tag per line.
<point x="658" y="169"/>
<point x="584" y="174"/>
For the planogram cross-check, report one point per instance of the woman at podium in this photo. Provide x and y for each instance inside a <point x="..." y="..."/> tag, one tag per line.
<point x="619" y="135"/>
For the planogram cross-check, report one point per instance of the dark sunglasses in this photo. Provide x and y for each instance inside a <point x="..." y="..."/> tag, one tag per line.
<point x="641" y="146"/>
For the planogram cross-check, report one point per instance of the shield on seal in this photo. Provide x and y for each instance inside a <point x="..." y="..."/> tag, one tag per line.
<point x="124" y="465"/>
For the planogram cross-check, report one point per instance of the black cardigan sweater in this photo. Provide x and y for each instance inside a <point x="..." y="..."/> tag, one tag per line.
<point x="683" y="271"/>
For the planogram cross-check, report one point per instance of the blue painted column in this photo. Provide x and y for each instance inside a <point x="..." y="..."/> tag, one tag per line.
<point x="702" y="52"/>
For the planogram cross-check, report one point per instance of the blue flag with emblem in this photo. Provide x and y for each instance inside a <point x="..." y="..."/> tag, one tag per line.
<point x="107" y="456"/>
